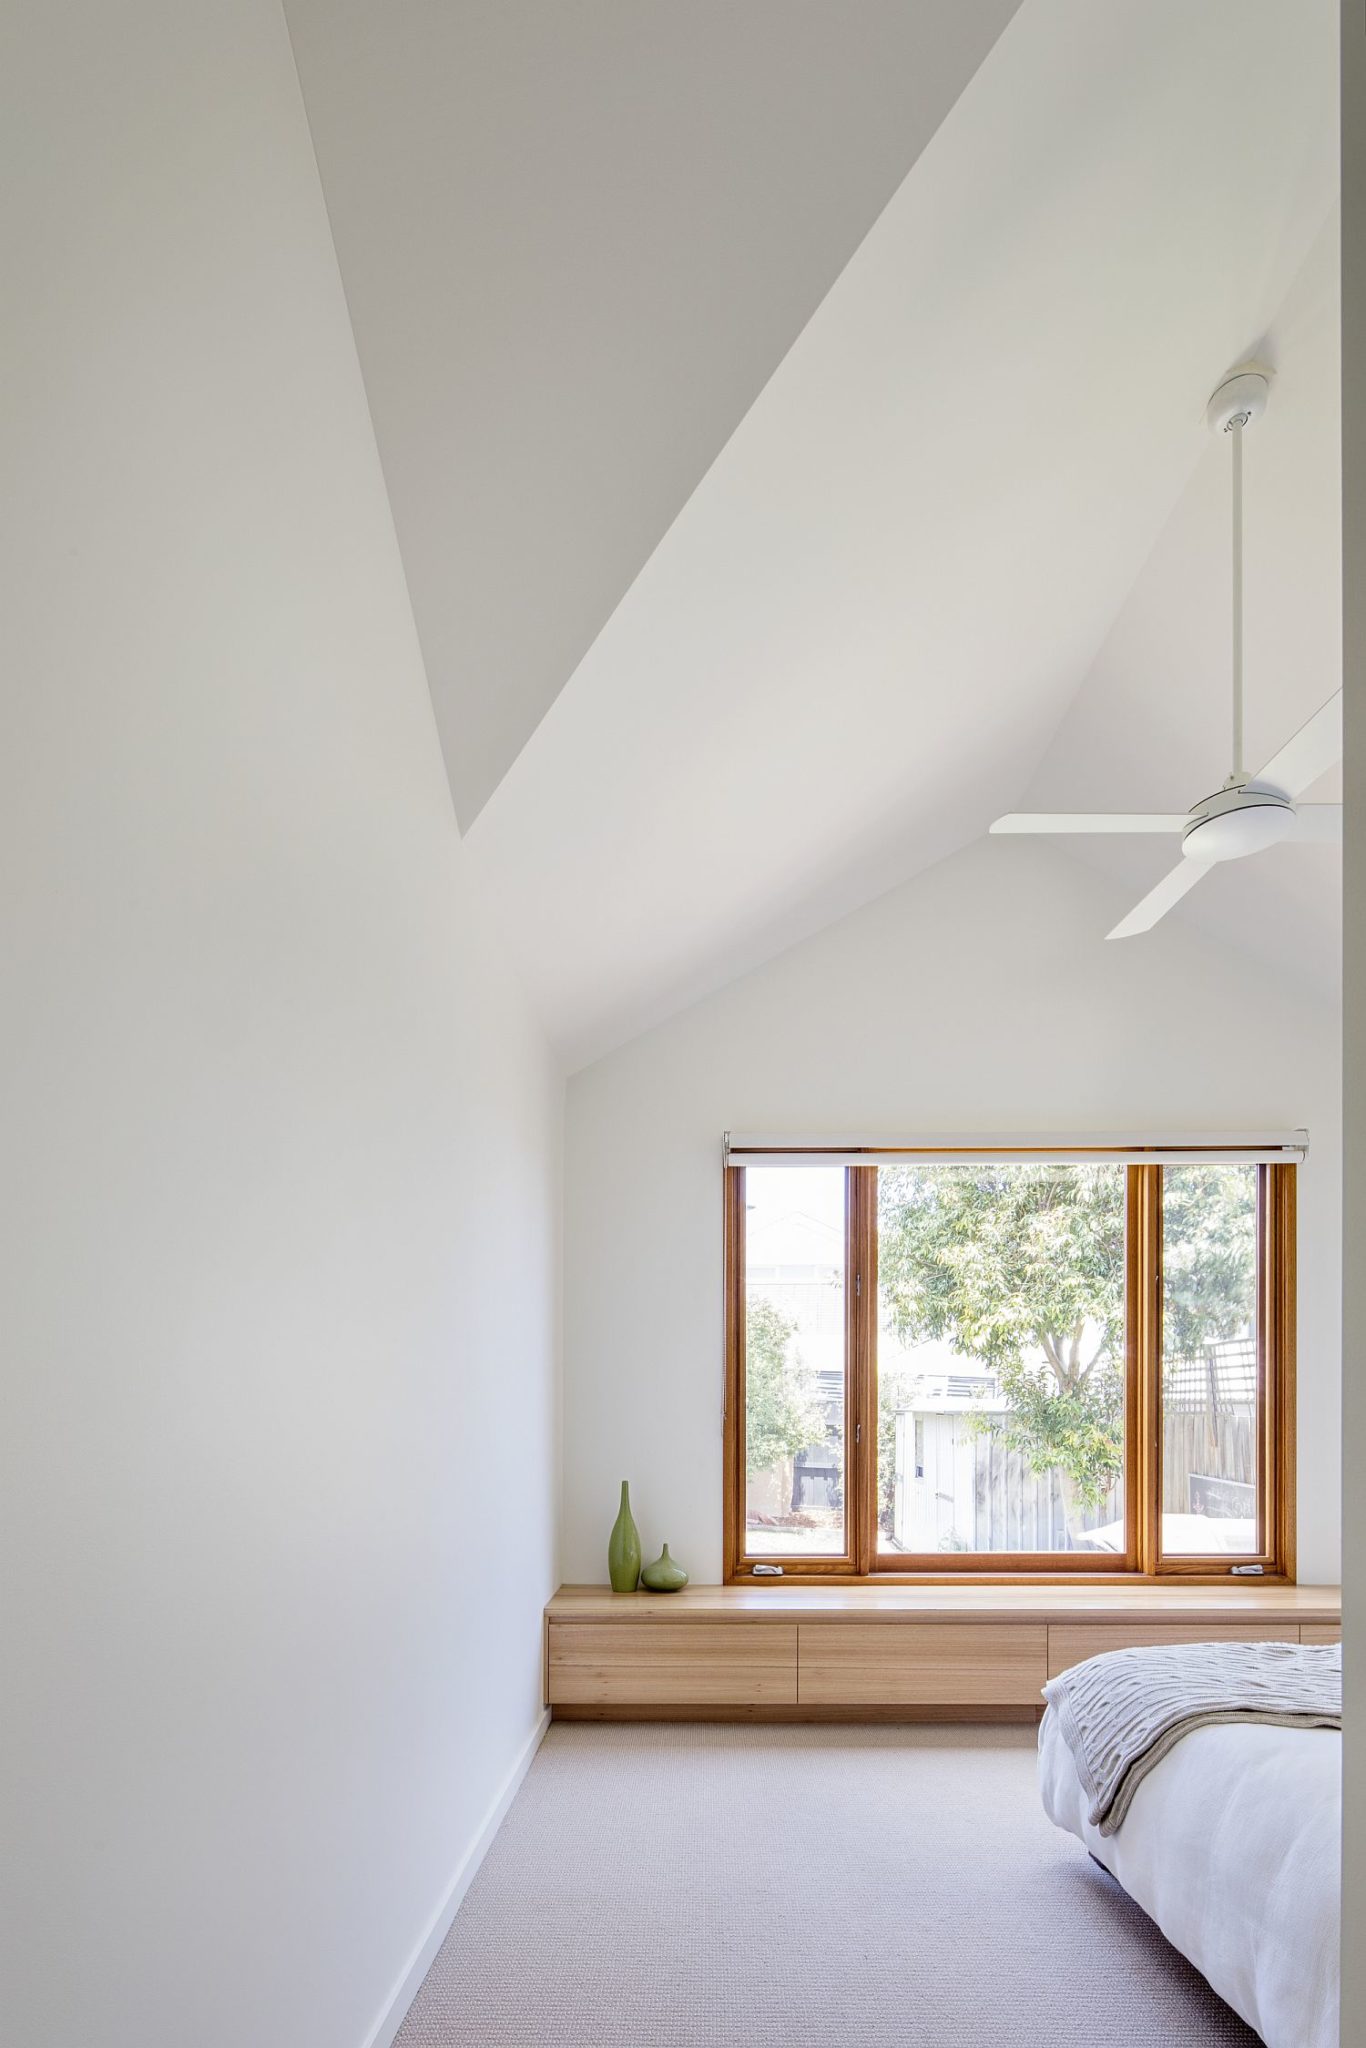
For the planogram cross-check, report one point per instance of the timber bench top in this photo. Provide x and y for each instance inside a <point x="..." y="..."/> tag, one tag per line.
<point x="1238" y="1600"/>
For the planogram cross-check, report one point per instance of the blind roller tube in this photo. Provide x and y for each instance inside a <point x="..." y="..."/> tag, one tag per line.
<point x="1125" y="1148"/>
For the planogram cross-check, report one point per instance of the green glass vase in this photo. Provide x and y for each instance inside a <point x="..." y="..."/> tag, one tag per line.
<point x="664" y="1576"/>
<point x="623" y="1547"/>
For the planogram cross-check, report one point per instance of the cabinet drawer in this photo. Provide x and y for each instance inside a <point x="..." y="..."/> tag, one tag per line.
<point x="921" y="1664"/>
<point x="1320" y="1631"/>
<point x="672" y="1663"/>
<point x="1073" y="1642"/>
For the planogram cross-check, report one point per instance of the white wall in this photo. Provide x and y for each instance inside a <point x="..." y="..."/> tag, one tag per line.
<point x="979" y="996"/>
<point x="1354" y="1008"/>
<point x="279" y="1253"/>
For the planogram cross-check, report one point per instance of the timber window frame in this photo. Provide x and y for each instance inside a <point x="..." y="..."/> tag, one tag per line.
<point x="1143" y="1556"/>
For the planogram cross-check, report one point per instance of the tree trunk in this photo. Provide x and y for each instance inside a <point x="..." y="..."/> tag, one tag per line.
<point x="1072" y="1510"/>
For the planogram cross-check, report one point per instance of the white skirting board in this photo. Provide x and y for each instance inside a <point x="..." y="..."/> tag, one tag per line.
<point x="406" y="1990"/>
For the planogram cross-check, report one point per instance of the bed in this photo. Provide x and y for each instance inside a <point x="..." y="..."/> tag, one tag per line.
<point x="1231" y="1844"/>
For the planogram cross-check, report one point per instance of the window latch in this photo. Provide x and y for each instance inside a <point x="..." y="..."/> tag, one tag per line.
<point x="1247" y="1571"/>
<point x="768" y="1571"/>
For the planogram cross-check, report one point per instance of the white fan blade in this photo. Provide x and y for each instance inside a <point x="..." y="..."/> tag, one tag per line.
<point x="1160" y="900"/>
<point x="1316" y="748"/>
<point x="1092" y="821"/>
<point x="1317" y="824"/>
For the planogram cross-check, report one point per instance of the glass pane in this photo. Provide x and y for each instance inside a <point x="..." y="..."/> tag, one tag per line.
<point x="1000" y="1358"/>
<point x="1209" y="1361"/>
<point x="794" y="1361"/>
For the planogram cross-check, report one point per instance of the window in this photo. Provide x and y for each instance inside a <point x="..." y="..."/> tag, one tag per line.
<point x="1023" y="1363"/>
<point x="796" y="1385"/>
<point x="1001" y="1344"/>
<point x="1213" y="1418"/>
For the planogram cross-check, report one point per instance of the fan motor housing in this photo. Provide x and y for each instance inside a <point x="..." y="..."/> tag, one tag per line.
<point x="1237" y="821"/>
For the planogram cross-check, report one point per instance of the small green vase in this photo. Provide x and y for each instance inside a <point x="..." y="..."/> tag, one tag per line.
<point x="623" y="1547"/>
<point x="664" y="1576"/>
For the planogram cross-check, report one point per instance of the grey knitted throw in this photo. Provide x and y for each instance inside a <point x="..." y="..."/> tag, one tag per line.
<point x="1121" y="1712"/>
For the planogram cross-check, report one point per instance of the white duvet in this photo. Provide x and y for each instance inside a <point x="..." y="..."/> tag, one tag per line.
<point x="1232" y="1846"/>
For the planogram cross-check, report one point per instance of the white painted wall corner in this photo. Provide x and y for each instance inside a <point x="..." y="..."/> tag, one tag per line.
<point x="405" y="1991"/>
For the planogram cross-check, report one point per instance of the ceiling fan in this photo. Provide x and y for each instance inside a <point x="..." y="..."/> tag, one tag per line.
<point x="1250" y="811"/>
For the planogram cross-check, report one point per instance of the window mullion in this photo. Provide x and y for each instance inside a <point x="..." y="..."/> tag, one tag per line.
<point x="862" y="1369"/>
<point x="733" y="1396"/>
<point x="1280" y="1261"/>
<point x="1143" y="1326"/>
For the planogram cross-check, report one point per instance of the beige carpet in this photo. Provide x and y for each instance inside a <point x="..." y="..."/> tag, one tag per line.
<point x="695" y="1887"/>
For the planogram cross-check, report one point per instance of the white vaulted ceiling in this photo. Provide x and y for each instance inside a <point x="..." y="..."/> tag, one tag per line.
<point x="862" y="613"/>
<point x="576" y="237"/>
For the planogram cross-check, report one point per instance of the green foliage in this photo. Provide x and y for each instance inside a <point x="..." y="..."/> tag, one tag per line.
<point x="1209" y="1264"/>
<point x="1081" y="1433"/>
<point x="1022" y="1268"/>
<point x="998" y="1260"/>
<point x="782" y="1411"/>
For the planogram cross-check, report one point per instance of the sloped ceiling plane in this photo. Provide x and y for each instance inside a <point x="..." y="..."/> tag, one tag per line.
<point x="778" y="420"/>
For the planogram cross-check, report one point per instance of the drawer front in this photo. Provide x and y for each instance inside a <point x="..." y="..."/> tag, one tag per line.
<point x="1320" y="1631"/>
<point x="921" y="1664"/>
<point x="672" y="1663"/>
<point x="1073" y="1642"/>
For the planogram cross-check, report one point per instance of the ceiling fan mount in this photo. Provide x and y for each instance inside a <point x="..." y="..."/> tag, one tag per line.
<point x="1240" y="400"/>
<point x="1250" y="812"/>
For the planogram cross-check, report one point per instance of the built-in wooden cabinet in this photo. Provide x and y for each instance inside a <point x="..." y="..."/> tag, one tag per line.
<point x="678" y="1663"/>
<point x="1073" y="1643"/>
<point x="908" y="1663"/>
<point x="930" y="1651"/>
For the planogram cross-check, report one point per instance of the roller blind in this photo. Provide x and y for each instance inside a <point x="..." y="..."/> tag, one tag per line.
<point x="1176" y="1148"/>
